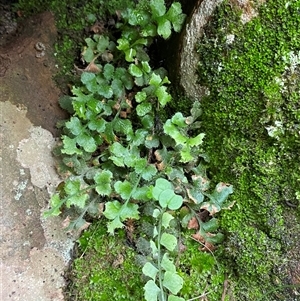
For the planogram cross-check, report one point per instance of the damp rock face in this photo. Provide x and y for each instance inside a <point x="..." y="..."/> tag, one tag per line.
<point x="188" y="56"/>
<point x="35" y="252"/>
<point x="182" y="64"/>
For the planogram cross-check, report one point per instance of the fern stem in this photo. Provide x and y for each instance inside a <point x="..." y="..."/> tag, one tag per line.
<point x="160" y="274"/>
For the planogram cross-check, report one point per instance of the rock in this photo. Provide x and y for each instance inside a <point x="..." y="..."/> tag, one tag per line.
<point x="34" y="251"/>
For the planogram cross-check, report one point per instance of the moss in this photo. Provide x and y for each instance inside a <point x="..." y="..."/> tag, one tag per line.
<point x="200" y="272"/>
<point x="105" y="268"/>
<point x="251" y="119"/>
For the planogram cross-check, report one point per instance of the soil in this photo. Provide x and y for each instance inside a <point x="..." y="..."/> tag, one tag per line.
<point x="28" y="70"/>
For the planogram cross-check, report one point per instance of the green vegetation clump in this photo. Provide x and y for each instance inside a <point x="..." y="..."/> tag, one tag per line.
<point x="252" y="121"/>
<point x="105" y="268"/>
<point x="121" y="160"/>
<point x="74" y="21"/>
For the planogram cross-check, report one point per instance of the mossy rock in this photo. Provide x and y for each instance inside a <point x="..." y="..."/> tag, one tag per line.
<point x="251" y="121"/>
<point x="105" y="268"/>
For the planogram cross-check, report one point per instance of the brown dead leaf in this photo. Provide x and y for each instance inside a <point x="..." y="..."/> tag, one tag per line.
<point x="123" y="114"/>
<point x="191" y="197"/>
<point x="92" y="67"/>
<point x="107" y="56"/>
<point x="189" y="120"/>
<point x="98" y="27"/>
<point x="118" y="261"/>
<point x="221" y="186"/>
<point x="83" y="227"/>
<point x="206" y="246"/>
<point x="100" y="209"/>
<point x="193" y="223"/>
<point x="158" y="156"/>
<point x="66" y="222"/>
<point x="212" y="209"/>
<point x="160" y="166"/>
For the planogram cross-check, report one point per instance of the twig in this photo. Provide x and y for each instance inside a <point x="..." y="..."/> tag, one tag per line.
<point x="225" y="286"/>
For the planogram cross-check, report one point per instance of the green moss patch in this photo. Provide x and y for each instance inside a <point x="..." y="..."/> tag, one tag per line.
<point x="104" y="269"/>
<point x="251" y="119"/>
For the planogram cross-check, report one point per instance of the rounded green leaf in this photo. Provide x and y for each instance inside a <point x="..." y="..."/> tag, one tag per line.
<point x="164" y="28"/>
<point x="87" y="142"/>
<point x="150" y="270"/>
<point x="140" y="96"/>
<point x="175" y="298"/>
<point x="151" y="291"/>
<point x="112" y="210"/>
<point x="160" y="186"/>
<point x="173" y="282"/>
<point x="165" y="196"/>
<point x="134" y="70"/>
<point x="169" y="241"/>
<point x="167" y="264"/>
<point x="143" y="108"/>
<point x="166" y="218"/>
<point x="158" y="7"/>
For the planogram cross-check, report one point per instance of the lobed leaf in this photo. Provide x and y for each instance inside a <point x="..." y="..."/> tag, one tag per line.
<point x="149" y="172"/>
<point x="174" y="202"/>
<point x="169" y="241"/>
<point x="149" y="30"/>
<point x="166" y="218"/>
<point x="143" y="108"/>
<point x="89" y="80"/>
<point x="75" y="126"/>
<point x="123" y="44"/>
<point x="113" y="225"/>
<point x="179" y="120"/>
<point x="155" y="80"/>
<point x="103" y="43"/>
<point x="108" y="71"/>
<point x="174" y="11"/>
<point x="97" y="124"/>
<point x="158" y="7"/>
<point x="87" y="142"/>
<point x="196" y="141"/>
<point x="88" y="54"/>
<point x="160" y="185"/>
<point x="124" y="189"/>
<point x="103" y="181"/>
<point x="167" y="264"/>
<point x="69" y="146"/>
<point x="151" y="291"/>
<point x="152" y="141"/>
<point x="134" y="70"/>
<point x="150" y="270"/>
<point x="140" y="96"/>
<point x="118" y="88"/>
<point x="163" y="96"/>
<point x="141" y="193"/>
<point x="104" y="90"/>
<point x="130" y="54"/>
<point x="112" y="210"/>
<point x="171" y="130"/>
<point x="164" y="27"/>
<point x="137" y="17"/>
<point x="173" y="282"/>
